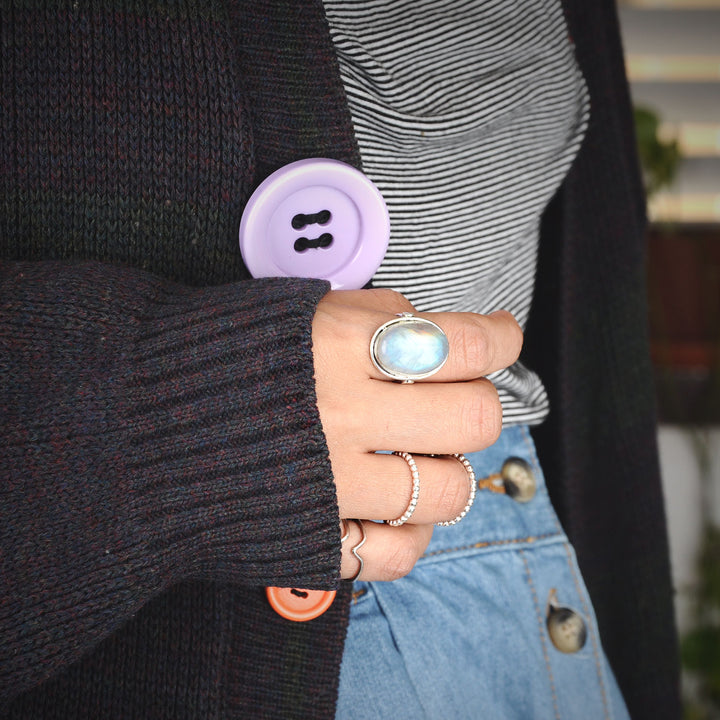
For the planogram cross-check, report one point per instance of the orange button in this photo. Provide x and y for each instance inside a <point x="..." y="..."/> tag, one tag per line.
<point x="299" y="605"/>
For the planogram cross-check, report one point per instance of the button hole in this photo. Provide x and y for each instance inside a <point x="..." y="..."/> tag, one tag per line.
<point x="301" y="220"/>
<point x="324" y="241"/>
<point x="299" y="593"/>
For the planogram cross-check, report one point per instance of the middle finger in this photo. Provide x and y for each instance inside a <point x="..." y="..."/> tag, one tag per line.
<point x="425" y="418"/>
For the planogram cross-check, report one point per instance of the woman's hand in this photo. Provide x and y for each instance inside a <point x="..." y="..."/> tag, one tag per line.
<point x="455" y="411"/>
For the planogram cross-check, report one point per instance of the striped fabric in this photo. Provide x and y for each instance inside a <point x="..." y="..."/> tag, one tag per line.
<point x="468" y="115"/>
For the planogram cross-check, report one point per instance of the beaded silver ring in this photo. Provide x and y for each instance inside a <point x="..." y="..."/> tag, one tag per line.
<point x="408" y="458"/>
<point x="473" y="489"/>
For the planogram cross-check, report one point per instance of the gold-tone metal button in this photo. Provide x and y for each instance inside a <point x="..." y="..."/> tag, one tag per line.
<point x="518" y="479"/>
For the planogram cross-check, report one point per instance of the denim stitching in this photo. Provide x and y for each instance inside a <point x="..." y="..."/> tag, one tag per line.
<point x="514" y="541"/>
<point x="541" y="627"/>
<point x="530" y="445"/>
<point x="596" y="655"/>
<point x="593" y="635"/>
<point x="492" y="543"/>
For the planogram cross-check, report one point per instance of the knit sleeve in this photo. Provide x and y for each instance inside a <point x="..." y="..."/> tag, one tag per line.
<point x="151" y="433"/>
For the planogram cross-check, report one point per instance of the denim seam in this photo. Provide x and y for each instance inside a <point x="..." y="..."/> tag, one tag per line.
<point x="541" y="629"/>
<point x="530" y="446"/>
<point x="482" y="544"/>
<point x="593" y="634"/>
<point x="530" y="540"/>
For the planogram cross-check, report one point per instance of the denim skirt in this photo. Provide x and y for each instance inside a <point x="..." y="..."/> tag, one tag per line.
<point x="494" y="621"/>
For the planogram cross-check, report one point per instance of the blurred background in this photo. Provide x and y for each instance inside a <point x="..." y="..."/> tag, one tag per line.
<point x="672" y="53"/>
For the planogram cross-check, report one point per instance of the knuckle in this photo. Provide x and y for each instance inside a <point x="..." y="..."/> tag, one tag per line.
<point x="451" y="493"/>
<point x="518" y="337"/>
<point x="492" y="419"/>
<point x="473" y="344"/>
<point x="401" y="559"/>
<point x="393" y="300"/>
<point x="480" y="415"/>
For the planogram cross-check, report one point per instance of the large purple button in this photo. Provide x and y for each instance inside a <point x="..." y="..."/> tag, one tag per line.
<point x="316" y="218"/>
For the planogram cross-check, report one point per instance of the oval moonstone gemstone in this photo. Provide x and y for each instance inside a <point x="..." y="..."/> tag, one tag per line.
<point x="409" y="348"/>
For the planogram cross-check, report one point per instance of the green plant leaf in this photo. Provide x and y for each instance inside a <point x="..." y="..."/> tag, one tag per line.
<point x="659" y="159"/>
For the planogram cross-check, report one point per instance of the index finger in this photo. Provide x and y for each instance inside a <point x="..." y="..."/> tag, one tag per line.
<point x="477" y="344"/>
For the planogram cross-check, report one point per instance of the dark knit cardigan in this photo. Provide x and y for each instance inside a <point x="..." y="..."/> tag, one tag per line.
<point x="162" y="457"/>
<point x="587" y="337"/>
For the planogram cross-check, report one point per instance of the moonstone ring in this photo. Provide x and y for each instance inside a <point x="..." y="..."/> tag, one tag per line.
<point x="409" y="348"/>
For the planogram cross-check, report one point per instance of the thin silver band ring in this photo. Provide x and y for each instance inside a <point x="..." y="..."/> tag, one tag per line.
<point x="408" y="458"/>
<point x="346" y="531"/>
<point x="355" y="552"/>
<point x="473" y="489"/>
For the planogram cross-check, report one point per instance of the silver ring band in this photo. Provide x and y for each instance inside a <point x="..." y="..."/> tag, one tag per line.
<point x="473" y="489"/>
<point x="355" y="552"/>
<point x="346" y="531"/>
<point x="408" y="458"/>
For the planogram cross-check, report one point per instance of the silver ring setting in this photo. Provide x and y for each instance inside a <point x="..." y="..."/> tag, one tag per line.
<point x="471" y="495"/>
<point x="410" y="460"/>
<point x="355" y="552"/>
<point x="409" y="348"/>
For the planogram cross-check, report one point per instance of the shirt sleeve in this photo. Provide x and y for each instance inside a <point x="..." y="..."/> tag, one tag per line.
<point x="151" y="433"/>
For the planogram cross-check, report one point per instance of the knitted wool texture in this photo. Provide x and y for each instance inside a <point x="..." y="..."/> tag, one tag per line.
<point x="587" y="338"/>
<point x="163" y="458"/>
<point x="132" y="134"/>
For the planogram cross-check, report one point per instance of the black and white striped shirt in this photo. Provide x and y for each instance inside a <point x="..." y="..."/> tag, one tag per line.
<point x="468" y="115"/>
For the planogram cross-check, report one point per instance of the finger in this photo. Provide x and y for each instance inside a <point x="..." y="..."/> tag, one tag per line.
<point x="387" y="554"/>
<point x="380" y="486"/>
<point x="436" y="418"/>
<point x="424" y="418"/>
<point x="477" y="344"/>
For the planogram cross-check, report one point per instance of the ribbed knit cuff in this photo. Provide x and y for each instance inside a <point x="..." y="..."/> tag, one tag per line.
<point x="155" y="433"/>
<point x="225" y="452"/>
<point x="152" y="433"/>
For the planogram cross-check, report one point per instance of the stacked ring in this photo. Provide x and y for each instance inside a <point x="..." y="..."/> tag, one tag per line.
<point x="355" y="552"/>
<point x="408" y="458"/>
<point x="346" y="531"/>
<point x="471" y="496"/>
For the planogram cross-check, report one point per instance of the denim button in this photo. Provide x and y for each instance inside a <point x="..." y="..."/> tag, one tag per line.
<point x="518" y="479"/>
<point x="566" y="627"/>
<point x="299" y="605"/>
<point x="316" y="218"/>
